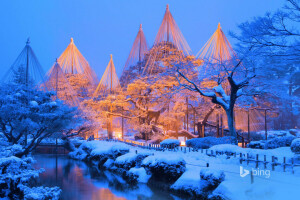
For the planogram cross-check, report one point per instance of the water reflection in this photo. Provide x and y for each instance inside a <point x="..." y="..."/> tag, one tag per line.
<point x="79" y="181"/>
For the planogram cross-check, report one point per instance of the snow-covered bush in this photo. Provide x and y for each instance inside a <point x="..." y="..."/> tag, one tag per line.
<point x="170" y="143"/>
<point x="256" y="144"/>
<point x="214" y="177"/>
<point x="165" y="167"/>
<point x="295" y="146"/>
<point x="228" y="149"/>
<point x="294" y="132"/>
<point x="207" y="142"/>
<point x="137" y="175"/>
<point x="107" y="151"/>
<point x="277" y="142"/>
<point x="130" y="160"/>
<point x="41" y="193"/>
<point x="84" y="150"/>
<point x="17" y="177"/>
<point x="37" y="113"/>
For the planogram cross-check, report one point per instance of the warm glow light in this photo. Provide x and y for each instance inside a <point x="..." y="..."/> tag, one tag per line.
<point x="118" y="134"/>
<point x="182" y="143"/>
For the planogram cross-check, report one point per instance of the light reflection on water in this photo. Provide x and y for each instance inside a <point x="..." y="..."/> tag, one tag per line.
<point x="81" y="182"/>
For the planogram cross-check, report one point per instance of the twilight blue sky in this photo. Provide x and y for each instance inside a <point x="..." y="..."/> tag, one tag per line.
<point x="105" y="27"/>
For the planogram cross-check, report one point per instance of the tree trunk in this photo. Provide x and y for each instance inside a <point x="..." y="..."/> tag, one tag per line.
<point x="230" y="120"/>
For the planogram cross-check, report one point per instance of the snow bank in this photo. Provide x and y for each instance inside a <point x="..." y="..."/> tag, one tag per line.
<point x="164" y="166"/>
<point x="170" y="143"/>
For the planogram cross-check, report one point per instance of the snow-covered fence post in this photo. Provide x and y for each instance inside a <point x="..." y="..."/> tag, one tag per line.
<point x="265" y="161"/>
<point x="241" y="158"/>
<point x="273" y="164"/>
<point x="256" y="162"/>
<point x="284" y="164"/>
<point x="247" y="159"/>
<point x="293" y="165"/>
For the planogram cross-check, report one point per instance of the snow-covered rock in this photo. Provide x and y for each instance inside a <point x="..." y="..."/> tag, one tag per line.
<point x="165" y="167"/>
<point x="170" y="143"/>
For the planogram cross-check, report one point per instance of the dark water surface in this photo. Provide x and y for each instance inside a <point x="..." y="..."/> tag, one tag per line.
<point x="79" y="181"/>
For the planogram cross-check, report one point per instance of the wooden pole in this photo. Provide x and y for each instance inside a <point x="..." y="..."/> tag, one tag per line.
<point x="218" y="125"/>
<point x="187" y="113"/>
<point x="266" y="128"/>
<point x="194" y="121"/>
<point x="248" y="125"/>
<point x="222" y="128"/>
<point x="122" y="122"/>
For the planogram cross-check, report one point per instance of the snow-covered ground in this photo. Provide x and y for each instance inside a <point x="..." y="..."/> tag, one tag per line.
<point x="266" y="184"/>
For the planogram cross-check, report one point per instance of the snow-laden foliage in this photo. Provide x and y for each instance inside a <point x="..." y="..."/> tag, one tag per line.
<point x="257" y="144"/>
<point x="130" y="160"/>
<point x="138" y="175"/>
<point x="207" y="142"/>
<point x="17" y="177"/>
<point x="199" y="187"/>
<point x="32" y="113"/>
<point x="214" y="177"/>
<point x="84" y="150"/>
<point x="277" y="142"/>
<point x="41" y="193"/>
<point x="295" y="147"/>
<point x="98" y="152"/>
<point x="274" y="41"/>
<point x="228" y="149"/>
<point x="170" y="143"/>
<point x="164" y="167"/>
<point x="273" y="143"/>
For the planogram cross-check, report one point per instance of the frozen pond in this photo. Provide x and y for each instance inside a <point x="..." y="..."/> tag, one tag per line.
<point x="79" y="181"/>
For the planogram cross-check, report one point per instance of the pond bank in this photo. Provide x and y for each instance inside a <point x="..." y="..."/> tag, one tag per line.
<point x="79" y="180"/>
